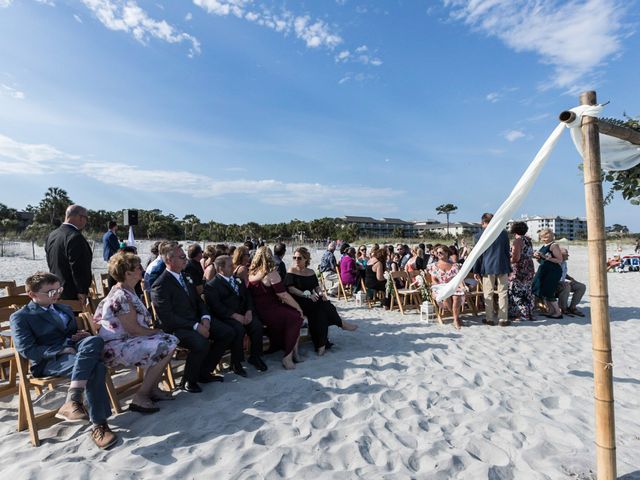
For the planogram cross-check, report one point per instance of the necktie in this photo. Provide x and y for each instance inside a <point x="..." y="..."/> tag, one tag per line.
<point x="234" y="285"/>
<point x="184" y="284"/>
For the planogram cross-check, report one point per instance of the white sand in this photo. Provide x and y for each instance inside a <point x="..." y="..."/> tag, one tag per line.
<point x="399" y="398"/>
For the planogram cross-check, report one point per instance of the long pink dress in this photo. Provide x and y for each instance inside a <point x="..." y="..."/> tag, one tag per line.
<point x="282" y="321"/>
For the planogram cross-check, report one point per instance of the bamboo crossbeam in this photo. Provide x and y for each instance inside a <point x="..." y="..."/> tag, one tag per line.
<point x="623" y="133"/>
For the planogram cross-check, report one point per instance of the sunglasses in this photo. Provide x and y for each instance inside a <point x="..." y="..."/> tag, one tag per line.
<point x="298" y="258"/>
<point x="440" y="253"/>
<point x="51" y="293"/>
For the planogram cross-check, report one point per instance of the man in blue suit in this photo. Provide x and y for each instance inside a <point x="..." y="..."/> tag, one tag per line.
<point x="494" y="266"/>
<point x="110" y="243"/>
<point x="47" y="335"/>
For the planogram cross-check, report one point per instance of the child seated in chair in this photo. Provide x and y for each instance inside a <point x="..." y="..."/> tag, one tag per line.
<point x="47" y="335"/>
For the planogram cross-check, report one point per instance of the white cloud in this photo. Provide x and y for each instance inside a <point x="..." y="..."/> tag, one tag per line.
<point x="78" y="19"/>
<point x="513" y="135"/>
<point x="5" y="3"/>
<point x="11" y="92"/>
<point x="188" y="17"/>
<point x="555" y="30"/>
<point x="315" y="33"/>
<point x="128" y="17"/>
<point x="493" y="97"/>
<point x="18" y="158"/>
<point x="50" y="3"/>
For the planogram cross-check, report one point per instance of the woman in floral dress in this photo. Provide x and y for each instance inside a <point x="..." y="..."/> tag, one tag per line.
<point x="520" y="296"/>
<point x="128" y="341"/>
<point x="442" y="272"/>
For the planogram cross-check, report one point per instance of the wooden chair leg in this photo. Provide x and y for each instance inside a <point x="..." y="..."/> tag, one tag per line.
<point x="168" y="377"/>
<point x="113" y="395"/>
<point x="26" y="417"/>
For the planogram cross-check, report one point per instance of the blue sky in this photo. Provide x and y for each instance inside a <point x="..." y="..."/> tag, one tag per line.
<point x="241" y="110"/>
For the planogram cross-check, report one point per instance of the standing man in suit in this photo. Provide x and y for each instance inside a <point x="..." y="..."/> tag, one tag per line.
<point x="110" y="243"/>
<point x="69" y="255"/>
<point x="229" y="301"/>
<point x="279" y="250"/>
<point x="493" y="269"/>
<point x="194" y="268"/>
<point x="181" y="312"/>
<point x="47" y="335"/>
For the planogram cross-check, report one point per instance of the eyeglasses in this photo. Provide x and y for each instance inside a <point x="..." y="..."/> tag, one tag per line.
<point x="51" y="293"/>
<point x="298" y="258"/>
<point x="440" y="252"/>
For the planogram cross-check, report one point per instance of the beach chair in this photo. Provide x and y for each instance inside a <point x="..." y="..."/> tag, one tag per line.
<point x="345" y="290"/>
<point x="26" y="416"/>
<point x="93" y="288"/>
<point x="5" y="285"/>
<point x="104" y="282"/>
<point x="14" y="300"/>
<point x="7" y="354"/>
<point x="405" y="296"/>
<point x="17" y="290"/>
<point x="76" y="305"/>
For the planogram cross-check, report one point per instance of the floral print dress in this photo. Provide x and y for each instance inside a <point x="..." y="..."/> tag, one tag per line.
<point x="520" y="296"/>
<point x="122" y="349"/>
<point x="444" y="276"/>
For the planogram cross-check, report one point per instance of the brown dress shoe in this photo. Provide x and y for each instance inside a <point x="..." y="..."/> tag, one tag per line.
<point x="72" y="412"/>
<point x="103" y="436"/>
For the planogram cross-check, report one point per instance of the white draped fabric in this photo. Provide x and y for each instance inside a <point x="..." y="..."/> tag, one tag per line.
<point x="131" y="242"/>
<point x="615" y="155"/>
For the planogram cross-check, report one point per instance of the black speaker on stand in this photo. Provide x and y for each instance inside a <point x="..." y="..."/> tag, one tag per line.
<point x="130" y="217"/>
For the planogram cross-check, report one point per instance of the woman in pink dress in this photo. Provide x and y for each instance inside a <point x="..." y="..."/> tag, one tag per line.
<point x="442" y="272"/>
<point x="348" y="267"/>
<point x="277" y="309"/>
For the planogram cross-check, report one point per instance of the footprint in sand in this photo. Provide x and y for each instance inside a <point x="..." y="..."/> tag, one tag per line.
<point x="487" y="452"/>
<point x="555" y="402"/>
<point x="323" y="418"/>
<point x="266" y="437"/>
<point x="392" y="396"/>
<point x="477" y="402"/>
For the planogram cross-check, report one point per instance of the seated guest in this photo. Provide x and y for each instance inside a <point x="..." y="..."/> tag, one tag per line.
<point x="416" y="262"/>
<point x="229" y="301"/>
<point x="181" y="312"/>
<point x="374" y="276"/>
<point x="442" y="272"/>
<point x="453" y="255"/>
<point x="128" y="339"/>
<point x="302" y="283"/>
<point x="194" y="269"/>
<point x="405" y="255"/>
<point x="210" y="254"/>
<point x="279" y="250"/>
<point x="567" y="286"/>
<point x="361" y="265"/>
<point x="155" y="251"/>
<point x="47" y="335"/>
<point x="328" y="266"/>
<point x="547" y="277"/>
<point x="278" y="311"/>
<point x="348" y="268"/>
<point x="154" y="269"/>
<point x="241" y="260"/>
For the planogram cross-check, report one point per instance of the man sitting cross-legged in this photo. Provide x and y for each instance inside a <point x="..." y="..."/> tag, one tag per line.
<point x="229" y="301"/>
<point x="47" y="335"/>
<point x="181" y="312"/>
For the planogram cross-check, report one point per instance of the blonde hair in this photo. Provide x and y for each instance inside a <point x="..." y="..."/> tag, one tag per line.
<point x="121" y="263"/>
<point x="304" y="253"/>
<point x="262" y="261"/>
<point x="239" y="252"/>
<point x="546" y="232"/>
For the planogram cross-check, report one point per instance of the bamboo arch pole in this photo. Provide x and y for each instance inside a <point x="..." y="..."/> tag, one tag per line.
<point x="598" y="292"/>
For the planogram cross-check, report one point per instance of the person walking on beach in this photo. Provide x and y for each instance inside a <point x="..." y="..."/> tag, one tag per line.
<point x="69" y="255"/>
<point x="493" y="269"/>
<point x="328" y="265"/>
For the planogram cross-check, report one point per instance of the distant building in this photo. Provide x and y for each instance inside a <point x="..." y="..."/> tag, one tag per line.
<point x="372" y="227"/>
<point x="455" y="229"/>
<point x="571" y="228"/>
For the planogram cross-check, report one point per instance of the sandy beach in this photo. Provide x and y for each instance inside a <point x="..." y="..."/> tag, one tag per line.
<point x="400" y="398"/>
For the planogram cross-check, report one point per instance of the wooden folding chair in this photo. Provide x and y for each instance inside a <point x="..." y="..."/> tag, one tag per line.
<point x="405" y="293"/>
<point x="17" y="290"/>
<point x="104" y="282"/>
<point x="14" y="300"/>
<point x="7" y="354"/>
<point x="6" y="284"/>
<point x="26" y="416"/>
<point x="76" y="305"/>
<point x="342" y="289"/>
<point x="93" y="288"/>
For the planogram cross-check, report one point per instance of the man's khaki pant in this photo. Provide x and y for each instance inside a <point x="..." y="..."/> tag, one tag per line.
<point x="489" y="288"/>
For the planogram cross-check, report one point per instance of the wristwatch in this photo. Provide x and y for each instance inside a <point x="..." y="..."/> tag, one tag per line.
<point x="306" y="294"/>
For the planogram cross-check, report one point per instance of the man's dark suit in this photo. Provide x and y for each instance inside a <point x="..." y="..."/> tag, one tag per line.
<point x="223" y="302"/>
<point x="110" y="245"/>
<point x="177" y="312"/>
<point x="496" y="260"/>
<point x="40" y="335"/>
<point x="195" y="271"/>
<point x="69" y="257"/>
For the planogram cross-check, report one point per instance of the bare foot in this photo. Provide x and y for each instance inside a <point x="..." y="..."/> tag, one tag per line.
<point x="296" y="356"/>
<point x="457" y="324"/>
<point x="321" y="351"/>
<point x="351" y="327"/>
<point x="287" y="362"/>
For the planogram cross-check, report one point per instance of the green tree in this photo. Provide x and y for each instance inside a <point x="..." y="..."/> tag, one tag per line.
<point x="189" y="223"/>
<point x="52" y="206"/>
<point x="446" y="209"/>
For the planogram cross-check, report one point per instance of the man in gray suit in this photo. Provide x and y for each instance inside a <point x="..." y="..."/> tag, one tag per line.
<point x="493" y="269"/>
<point x="46" y="333"/>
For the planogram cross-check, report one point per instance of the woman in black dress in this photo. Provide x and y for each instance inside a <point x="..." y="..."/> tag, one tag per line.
<point x="302" y="283"/>
<point x="547" y="278"/>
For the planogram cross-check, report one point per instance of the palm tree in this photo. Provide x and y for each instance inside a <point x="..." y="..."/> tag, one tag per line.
<point x="53" y="205"/>
<point x="446" y="209"/>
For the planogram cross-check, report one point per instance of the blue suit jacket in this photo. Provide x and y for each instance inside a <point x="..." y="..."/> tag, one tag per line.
<point x="496" y="260"/>
<point x="110" y="245"/>
<point x="39" y="336"/>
